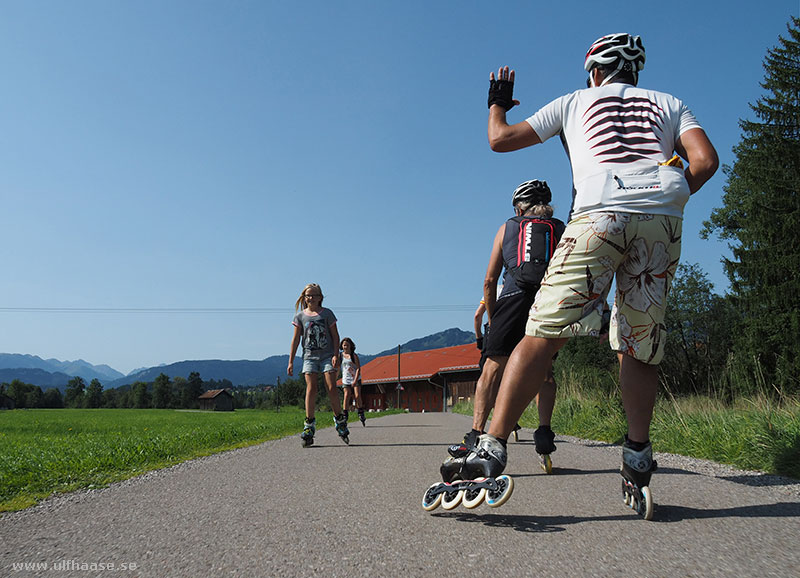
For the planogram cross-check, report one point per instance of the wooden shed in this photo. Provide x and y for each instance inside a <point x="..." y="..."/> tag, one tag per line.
<point x="428" y="380"/>
<point x="216" y="400"/>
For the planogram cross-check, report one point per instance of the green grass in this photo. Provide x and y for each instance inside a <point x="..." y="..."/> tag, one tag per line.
<point x="751" y="433"/>
<point x="43" y="452"/>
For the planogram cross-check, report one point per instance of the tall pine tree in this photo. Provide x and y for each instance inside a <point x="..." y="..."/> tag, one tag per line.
<point x="761" y="217"/>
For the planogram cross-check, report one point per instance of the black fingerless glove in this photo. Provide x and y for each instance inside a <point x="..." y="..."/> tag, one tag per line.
<point x="501" y="92"/>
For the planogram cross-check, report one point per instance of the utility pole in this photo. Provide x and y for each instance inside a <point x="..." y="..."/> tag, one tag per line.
<point x="399" y="383"/>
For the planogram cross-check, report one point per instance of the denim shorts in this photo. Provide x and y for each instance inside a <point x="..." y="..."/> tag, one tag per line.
<point x="323" y="365"/>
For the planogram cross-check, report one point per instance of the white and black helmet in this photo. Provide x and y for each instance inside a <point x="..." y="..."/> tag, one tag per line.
<point x="536" y="192"/>
<point x="616" y="50"/>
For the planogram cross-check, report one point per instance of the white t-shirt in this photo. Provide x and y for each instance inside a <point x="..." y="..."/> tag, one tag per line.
<point x="616" y="137"/>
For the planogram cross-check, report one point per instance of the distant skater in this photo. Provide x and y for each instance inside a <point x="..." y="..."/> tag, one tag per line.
<point x="351" y="378"/>
<point x="316" y="326"/>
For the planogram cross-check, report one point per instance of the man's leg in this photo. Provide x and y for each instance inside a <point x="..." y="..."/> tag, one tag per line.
<point x="486" y="390"/>
<point x="547" y="398"/>
<point x="639" y="383"/>
<point x="523" y="377"/>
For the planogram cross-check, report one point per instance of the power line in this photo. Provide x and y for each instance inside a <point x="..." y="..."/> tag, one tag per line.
<point x="233" y="310"/>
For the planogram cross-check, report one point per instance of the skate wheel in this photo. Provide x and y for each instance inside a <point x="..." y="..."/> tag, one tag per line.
<point x="626" y="494"/>
<point x="452" y="499"/>
<point x="431" y="499"/>
<point x="547" y="463"/>
<point x="346" y="439"/>
<point x="498" y="498"/>
<point x="516" y="436"/>
<point x="645" y="508"/>
<point x="474" y="497"/>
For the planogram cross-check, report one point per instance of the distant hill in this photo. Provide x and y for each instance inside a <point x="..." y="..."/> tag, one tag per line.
<point x="40" y="377"/>
<point x="54" y="373"/>
<point x="244" y="372"/>
<point x="446" y="338"/>
<point x="79" y="368"/>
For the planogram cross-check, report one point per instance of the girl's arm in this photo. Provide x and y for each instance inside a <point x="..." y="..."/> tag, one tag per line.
<point x="293" y="349"/>
<point x="357" y="363"/>
<point x="335" y="337"/>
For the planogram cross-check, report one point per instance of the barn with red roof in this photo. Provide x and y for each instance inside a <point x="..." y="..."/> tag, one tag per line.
<point x="421" y="380"/>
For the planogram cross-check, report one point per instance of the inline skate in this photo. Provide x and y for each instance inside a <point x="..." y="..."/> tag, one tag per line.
<point x="637" y="468"/>
<point x="309" y="429"/>
<point x="362" y="417"/>
<point x="472" y="477"/>
<point x="340" y="421"/>
<point x="543" y="442"/>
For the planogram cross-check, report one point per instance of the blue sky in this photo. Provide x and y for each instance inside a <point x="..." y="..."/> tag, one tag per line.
<point x="175" y="172"/>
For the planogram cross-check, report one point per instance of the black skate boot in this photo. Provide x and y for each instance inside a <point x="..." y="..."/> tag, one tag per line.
<point x="309" y="429"/>
<point x="543" y="441"/>
<point x="472" y="478"/>
<point x="637" y="468"/>
<point x="469" y="442"/>
<point x="340" y="421"/>
<point x="346" y="415"/>
<point x="362" y="417"/>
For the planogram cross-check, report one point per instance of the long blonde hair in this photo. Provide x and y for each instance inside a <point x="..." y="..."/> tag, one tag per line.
<point x="300" y="300"/>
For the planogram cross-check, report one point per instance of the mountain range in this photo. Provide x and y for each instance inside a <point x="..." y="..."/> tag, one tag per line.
<point x="48" y="373"/>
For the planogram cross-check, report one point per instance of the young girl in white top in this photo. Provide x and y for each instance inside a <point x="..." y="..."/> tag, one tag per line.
<point x="351" y="377"/>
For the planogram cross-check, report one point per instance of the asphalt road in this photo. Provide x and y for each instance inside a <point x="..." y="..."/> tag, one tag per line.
<point x="334" y="510"/>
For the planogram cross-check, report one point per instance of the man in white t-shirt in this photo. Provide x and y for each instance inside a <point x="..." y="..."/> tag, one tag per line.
<point x="629" y="189"/>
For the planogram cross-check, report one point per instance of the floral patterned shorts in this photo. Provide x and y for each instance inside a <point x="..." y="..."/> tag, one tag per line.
<point x="640" y="251"/>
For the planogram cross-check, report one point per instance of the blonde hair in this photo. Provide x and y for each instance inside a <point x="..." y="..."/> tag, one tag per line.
<point x="300" y="301"/>
<point x="535" y="210"/>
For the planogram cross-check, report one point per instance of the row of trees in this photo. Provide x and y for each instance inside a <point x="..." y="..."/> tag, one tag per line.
<point x="177" y="393"/>
<point x="180" y="393"/>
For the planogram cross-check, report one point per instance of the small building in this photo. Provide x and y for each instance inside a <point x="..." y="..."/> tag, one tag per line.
<point x="216" y="400"/>
<point x="428" y="380"/>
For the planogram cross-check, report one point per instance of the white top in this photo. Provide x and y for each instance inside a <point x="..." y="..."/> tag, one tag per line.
<point x="348" y="370"/>
<point x="616" y="137"/>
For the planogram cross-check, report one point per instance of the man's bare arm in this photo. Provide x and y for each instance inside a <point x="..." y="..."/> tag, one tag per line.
<point x="694" y="146"/>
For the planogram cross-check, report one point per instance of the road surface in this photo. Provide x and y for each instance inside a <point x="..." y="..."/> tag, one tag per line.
<point x="334" y="510"/>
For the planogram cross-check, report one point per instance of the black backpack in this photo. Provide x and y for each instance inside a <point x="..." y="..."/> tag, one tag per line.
<point x="536" y="241"/>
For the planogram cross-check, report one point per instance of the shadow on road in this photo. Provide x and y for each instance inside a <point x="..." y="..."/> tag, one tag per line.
<point x="532" y="524"/>
<point x="664" y="513"/>
<point x="668" y="513"/>
<point x="399" y="426"/>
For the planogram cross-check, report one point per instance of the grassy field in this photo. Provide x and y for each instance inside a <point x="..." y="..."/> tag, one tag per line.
<point x="753" y="434"/>
<point x="48" y="451"/>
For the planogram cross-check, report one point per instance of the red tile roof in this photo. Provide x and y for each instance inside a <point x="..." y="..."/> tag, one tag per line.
<point x="416" y="365"/>
<point x="212" y="393"/>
